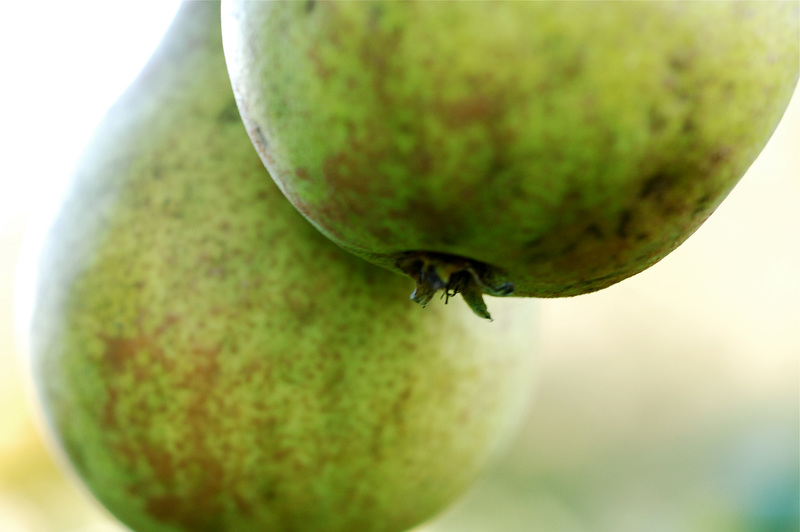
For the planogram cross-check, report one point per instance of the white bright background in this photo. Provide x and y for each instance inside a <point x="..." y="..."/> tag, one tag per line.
<point x="63" y="64"/>
<point x="668" y="402"/>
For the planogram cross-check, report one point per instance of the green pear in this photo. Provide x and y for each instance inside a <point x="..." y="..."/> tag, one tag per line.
<point x="539" y="149"/>
<point x="207" y="361"/>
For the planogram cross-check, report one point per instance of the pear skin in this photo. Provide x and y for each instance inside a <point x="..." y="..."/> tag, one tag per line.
<point x="539" y="149"/>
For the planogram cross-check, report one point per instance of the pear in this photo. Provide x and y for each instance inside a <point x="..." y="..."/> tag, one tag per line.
<point x="207" y="361"/>
<point x="540" y="149"/>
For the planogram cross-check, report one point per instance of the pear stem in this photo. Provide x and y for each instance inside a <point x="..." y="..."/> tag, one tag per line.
<point x="453" y="275"/>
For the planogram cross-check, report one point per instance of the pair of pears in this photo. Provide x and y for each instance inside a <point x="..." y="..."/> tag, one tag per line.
<point x="207" y="360"/>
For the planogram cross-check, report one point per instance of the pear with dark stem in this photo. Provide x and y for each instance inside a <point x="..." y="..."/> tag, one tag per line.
<point x="538" y="149"/>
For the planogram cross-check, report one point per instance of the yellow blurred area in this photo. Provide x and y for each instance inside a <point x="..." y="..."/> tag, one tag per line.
<point x="668" y="402"/>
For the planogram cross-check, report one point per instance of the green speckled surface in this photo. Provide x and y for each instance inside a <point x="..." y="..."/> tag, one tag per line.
<point x="567" y="144"/>
<point x="209" y="362"/>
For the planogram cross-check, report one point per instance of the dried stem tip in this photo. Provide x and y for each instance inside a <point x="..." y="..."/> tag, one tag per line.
<point x="453" y="275"/>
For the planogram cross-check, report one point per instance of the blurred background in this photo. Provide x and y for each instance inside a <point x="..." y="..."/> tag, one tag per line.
<point x="669" y="402"/>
